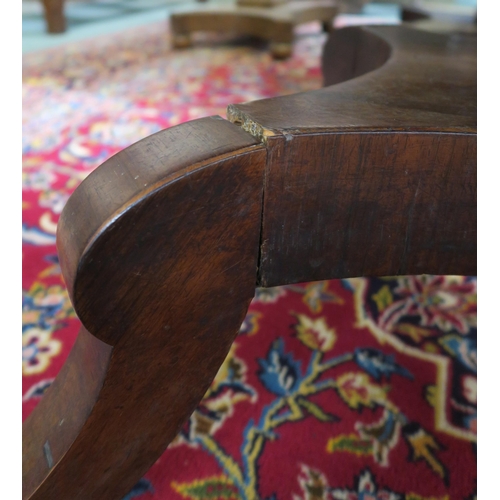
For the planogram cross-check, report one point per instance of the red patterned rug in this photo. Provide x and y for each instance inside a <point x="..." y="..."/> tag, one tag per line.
<point x="353" y="389"/>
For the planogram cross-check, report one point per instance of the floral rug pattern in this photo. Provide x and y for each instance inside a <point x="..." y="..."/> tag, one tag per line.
<point x="352" y="389"/>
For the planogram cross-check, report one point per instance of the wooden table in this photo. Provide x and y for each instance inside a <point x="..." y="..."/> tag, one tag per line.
<point x="162" y="246"/>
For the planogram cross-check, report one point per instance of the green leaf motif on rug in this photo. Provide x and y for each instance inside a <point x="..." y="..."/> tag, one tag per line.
<point x="211" y="488"/>
<point x="350" y="443"/>
<point x="316" y="411"/>
<point x="414" y="496"/>
<point x="383" y="298"/>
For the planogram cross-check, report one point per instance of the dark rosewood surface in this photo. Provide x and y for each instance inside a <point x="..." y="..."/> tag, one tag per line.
<point x="159" y="249"/>
<point x="376" y="175"/>
<point x="162" y="246"/>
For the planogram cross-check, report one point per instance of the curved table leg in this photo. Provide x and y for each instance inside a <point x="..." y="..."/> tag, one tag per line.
<point x="162" y="285"/>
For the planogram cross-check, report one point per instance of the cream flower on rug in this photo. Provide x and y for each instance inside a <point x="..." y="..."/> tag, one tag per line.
<point x="38" y="349"/>
<point x="315" y="333"/>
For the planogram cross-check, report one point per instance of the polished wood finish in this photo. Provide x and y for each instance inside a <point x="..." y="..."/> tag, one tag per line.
<point x="162" y="246"/>
<point x="272" y="23"/>
<point x="159" y="251"/>
<point x="375" y="176"/>
<point x="55" y="424"/>
<point x="353" y="52"/>
<point x="411" y="92"/>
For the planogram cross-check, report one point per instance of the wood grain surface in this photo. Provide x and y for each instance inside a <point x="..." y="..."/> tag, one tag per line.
<point x="162" y="246"/>
<point x="428" y="83"/>
<point x="159" y="250"/>
<point x="375" y="175"/>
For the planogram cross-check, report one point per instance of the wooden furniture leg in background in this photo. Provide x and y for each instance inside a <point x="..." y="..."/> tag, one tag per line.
<point x="272" y="21"/>
<point x="54" y="16"/>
